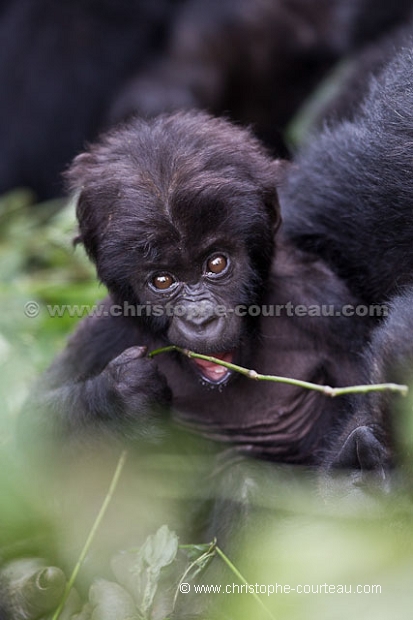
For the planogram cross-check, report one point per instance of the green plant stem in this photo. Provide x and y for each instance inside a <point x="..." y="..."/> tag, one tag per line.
<point x="243" y="580"/>
<point x="196" y="563"/>
<point x="252" y="374"/>
<point x="95" y="527"/>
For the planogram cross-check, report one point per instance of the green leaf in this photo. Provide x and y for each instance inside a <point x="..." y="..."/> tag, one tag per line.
<point x="160" y="549"/>
<point x="140" y="571"/>
<point x="127" y="568"/>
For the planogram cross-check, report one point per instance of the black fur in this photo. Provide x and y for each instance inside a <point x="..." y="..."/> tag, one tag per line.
<point x="348" y="197"/>
<point x="367" y="441"/>
<point x="161" y="197"/>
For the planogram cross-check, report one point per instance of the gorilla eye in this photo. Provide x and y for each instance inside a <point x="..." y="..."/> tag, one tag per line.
<point x="216" y="264"/>
<point x="162" y="281"/>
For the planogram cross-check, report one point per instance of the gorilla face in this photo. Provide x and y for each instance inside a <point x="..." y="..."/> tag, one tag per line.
<point x="179" y="218"/>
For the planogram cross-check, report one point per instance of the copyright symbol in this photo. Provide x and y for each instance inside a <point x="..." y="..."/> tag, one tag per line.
<point x="184" y="588"/>
<point x="31" y="309"/>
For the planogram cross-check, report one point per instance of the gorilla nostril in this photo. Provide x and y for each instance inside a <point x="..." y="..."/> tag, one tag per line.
<point x="198" y="327"/>
<point x="199" y="315"/>
<point x="200" y="321"/>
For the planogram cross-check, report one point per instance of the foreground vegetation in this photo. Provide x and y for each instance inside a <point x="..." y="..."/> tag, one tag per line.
<point x="303" y="536"/>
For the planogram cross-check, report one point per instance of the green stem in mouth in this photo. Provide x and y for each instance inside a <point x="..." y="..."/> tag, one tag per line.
<point x="252" y="374"/>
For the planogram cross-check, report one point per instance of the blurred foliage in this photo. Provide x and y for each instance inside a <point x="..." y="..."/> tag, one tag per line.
<point x="301" y="533"/>
<point x="38" y="263"/>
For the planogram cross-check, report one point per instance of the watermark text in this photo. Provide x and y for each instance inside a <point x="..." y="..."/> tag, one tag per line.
<point x="33" y="309"/>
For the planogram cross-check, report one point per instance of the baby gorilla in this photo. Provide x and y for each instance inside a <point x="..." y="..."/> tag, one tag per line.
<point x="179" y="214"/>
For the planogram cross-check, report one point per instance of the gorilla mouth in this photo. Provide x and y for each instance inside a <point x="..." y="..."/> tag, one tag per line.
<point x="213" y="373"/>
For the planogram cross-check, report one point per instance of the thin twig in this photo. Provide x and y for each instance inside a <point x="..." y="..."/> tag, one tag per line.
<point x="92" y="533"/>
<point x="196" y="563"/>
<point x="250" y="590"/>
<point x="252" y="374"/>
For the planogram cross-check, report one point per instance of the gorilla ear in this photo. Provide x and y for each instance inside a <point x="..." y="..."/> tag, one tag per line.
<point x="80" y="182"/>
<point x="77" y="174"/>
<point x="279" y="168"/>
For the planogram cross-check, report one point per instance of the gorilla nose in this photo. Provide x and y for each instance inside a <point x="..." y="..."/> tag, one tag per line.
<point x="199" y="315"/>
<point x="197" y="326"/>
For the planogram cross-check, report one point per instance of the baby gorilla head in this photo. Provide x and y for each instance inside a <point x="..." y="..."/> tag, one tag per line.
<point x="179" y="214"/>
